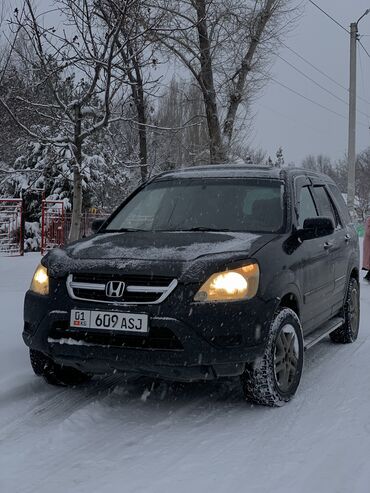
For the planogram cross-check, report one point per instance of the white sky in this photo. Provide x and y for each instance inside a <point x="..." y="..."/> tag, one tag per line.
<point x="285" y="119"/>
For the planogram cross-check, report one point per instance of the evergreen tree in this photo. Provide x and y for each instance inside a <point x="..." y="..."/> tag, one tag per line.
<point x="279" y="163"/>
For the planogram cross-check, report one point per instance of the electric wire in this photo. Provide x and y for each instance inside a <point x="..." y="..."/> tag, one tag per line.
<point x="320" y="71"/>
<point x="297" y="93"/>
<point x="315" y="68"/>
<point x="330" y="17"/>
<point x="363" y="47"/>
<point x="318" y="84"/>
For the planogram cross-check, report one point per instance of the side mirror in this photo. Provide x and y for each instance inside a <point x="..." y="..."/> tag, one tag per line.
<point x="316" y="227"/>
<point x="97" y="224"/>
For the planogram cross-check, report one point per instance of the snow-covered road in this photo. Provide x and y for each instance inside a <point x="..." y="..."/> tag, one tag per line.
<point x="114" y="436"/>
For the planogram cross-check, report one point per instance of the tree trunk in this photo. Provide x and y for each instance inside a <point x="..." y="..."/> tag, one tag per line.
<point x="216" y="149"/>
<point x="74" y="233"/>
<point x="139" y="99"/>
<point x="236" y="96"/>
<point x="143" y="150"/>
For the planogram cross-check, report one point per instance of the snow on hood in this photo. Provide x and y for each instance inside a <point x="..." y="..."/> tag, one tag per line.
<point x="183" y="246"/>
<point x="147" y="251"/>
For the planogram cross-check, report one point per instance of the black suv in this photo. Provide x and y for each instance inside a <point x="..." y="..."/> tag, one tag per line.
<point x="207" y="272"/>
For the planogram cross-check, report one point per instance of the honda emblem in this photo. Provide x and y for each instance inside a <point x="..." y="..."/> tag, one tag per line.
<point x="115" y="289"/>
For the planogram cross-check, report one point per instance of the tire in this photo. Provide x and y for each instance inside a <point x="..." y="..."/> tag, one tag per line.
<point x="273" y="379"/>
<point x="38" y="362"/>
<point x="55" y="374"/>
<point x="348" y="332"/>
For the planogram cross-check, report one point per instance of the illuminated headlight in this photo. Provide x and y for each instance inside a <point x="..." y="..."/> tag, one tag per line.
<point x="231" y="285"/>
<point x="40" y="281"/>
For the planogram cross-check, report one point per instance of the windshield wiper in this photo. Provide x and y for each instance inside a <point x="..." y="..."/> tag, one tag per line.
<point x="203" y="228"/>
<point x="122" y="230"/>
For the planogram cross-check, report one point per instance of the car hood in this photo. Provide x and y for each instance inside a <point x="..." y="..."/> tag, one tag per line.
<point x="182" y="254"/>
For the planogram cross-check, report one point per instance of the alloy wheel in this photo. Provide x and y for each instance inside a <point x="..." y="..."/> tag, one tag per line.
<point x="353" y="311"/>
<point x="286" y="357"/>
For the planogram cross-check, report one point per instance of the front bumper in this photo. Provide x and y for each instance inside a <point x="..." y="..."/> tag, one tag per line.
<point x="203" y="341"/>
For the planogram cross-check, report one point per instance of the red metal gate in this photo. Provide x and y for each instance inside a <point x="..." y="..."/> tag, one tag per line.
<point x="11" y="227"/>
<point x="56" y="224"/>
<point x="87" y="218"/>
<point x="52" y="225"/>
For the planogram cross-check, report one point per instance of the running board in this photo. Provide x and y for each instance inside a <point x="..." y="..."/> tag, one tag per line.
<point x="322" y="332"/>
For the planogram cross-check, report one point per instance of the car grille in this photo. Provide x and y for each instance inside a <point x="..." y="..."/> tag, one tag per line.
<point x="138" y="289"/>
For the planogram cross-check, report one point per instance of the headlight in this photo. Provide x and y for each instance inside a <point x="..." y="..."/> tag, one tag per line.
<point x="231" y="285"/>
<point x="40" y="281"/>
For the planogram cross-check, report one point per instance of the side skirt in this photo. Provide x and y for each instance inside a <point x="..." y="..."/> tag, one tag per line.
<point x="322" y="332"/>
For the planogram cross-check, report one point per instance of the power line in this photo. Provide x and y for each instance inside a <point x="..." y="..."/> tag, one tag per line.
<point x="307" y="98"/>
<point x="363" y="47"/>
<point x="314" y="67"/>
<point x="319" y="85"/>
<point x="312" y="80"/>
<point x="330" y="17"/>
<point x="312" y="101"/>
<point x="320" y="71"/>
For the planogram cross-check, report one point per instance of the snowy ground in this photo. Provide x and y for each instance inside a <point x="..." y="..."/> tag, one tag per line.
<point x="110" y="436"/>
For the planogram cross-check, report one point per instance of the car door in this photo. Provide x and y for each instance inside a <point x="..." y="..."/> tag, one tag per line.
<point x="316" y="271"/>
<point x="337" y="245"/>
<point x="348" y="244"/>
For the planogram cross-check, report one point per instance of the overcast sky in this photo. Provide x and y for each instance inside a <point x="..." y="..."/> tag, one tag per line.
<point x="286" y="119"/>
<point x="300" y="127"/>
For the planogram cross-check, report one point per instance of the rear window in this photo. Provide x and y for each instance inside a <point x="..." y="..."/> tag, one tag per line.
<point x="201" y="204"/>
<point x="342" y="206"/>
<point x="324" y="203"/>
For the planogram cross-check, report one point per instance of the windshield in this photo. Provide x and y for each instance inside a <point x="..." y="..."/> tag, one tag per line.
<point x="204" y="205"/>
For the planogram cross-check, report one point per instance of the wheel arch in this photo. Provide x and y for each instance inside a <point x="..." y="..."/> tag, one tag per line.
<point x="290" y="300"/>
<point x="355" y="274"/>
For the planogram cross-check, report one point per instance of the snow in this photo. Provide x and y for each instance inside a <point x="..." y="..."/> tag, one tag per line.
<point x="147" y="251"/>
<point x="69" y="341"/>
<point x="113" y="245"/>
<point x="116" y="435"/>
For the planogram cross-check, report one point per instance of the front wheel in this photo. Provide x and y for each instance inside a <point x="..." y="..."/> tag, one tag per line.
<point x="53" y="373"/>
<point x="348" y="332"/>
<point x="273" y="379"/>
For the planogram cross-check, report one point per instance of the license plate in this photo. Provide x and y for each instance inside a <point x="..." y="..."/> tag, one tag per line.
<point x="128" y="322"/>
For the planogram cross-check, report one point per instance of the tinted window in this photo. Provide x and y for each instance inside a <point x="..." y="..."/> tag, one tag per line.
<point x="343" y="209"/>
<point x="235" y="205"/>
<point x="307" y="208"/>
<point x="325" y="205"/>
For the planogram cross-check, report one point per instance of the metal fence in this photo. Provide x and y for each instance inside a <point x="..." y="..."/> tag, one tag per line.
<point x="87" y="219"/>
<point x="11" y="227"/>
<point x="56" y="224"/>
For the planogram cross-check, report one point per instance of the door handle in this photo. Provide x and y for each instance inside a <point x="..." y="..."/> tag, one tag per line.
<point x="328" y="245"/>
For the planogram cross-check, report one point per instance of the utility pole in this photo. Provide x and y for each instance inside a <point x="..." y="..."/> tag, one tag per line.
<point x="351" y="188"/>
<point x="352" y="121"/>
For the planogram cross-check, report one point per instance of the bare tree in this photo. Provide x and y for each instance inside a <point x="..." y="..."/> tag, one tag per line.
<point x="363" y="184"/>
<point x="250" y="156"/>
<point x="320" y="163"/>
<point x="137" y="58"/>
<point x="225" y="45"/>
<point x="182" y="103"/>
<point x="77" y="65"/>
<point x="338" y="171"/>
